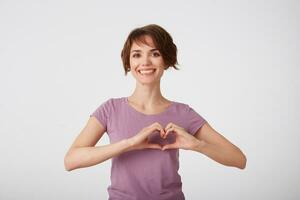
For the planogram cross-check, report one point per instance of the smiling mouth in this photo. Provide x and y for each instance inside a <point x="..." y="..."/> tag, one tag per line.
<point x="147" y="72"/>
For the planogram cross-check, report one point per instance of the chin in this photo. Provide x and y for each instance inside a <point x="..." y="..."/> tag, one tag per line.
<point x="147" y="82"/>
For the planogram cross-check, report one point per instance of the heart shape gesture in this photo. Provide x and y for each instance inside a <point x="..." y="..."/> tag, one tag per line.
<point x="157" y="137"/>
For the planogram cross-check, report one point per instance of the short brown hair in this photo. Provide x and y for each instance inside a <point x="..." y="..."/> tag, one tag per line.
<point x="162" y="41"/>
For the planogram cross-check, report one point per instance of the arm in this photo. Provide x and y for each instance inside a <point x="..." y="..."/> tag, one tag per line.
<point x="83" y="152"/>
<point x="218" y="148"/>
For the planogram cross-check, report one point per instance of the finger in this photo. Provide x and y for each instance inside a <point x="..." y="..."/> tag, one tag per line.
<point x="169" y="146"/>
<point x="168" y="129"/>
<point x="168" y="125"/>
<point x="154" y="127"/>
<point x="154" y="146"/>
<point x="162" y="133"/>
<point x="156" y="124"/>
<point x="159" y="128"/>
<point x="171" y="124"/>
<point x="171" y="129"/>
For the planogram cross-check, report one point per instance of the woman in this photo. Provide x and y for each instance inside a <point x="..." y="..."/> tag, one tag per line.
<point x="146" y="130"/>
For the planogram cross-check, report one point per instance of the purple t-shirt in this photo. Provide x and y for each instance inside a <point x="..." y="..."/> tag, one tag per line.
<point x="147" y="173"/>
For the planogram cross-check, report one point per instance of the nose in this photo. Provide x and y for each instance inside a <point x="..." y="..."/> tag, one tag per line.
<point x="146" y="61"/>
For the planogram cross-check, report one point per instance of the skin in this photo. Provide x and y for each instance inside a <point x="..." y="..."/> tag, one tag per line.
<point x="147" y="98"/>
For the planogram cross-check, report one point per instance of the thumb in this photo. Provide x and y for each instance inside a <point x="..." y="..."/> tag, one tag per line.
<point x="153" y="146"/>
<point x="169" y="146"/>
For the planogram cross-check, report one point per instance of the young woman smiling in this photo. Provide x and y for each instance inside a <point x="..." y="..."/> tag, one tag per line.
<point x="146" y="130"/>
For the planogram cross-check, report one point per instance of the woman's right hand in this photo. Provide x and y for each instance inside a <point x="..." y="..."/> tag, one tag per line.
<point x="140" y="140"/>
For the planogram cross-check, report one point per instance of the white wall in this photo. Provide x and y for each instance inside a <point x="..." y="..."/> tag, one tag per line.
<point x="239" y="66"/>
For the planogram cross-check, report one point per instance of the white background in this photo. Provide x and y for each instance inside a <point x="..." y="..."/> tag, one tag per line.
<point x="239" y="69"/>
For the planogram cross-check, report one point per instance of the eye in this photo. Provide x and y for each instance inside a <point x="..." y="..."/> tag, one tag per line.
<point x="136" y="55"/>
<point x="156" y="54"/>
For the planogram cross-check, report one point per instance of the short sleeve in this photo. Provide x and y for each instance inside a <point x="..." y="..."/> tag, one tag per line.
<point x="194" y="121"/>
<point x="102" y="113"/>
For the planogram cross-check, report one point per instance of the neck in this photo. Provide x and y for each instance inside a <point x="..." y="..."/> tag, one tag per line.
<point x="147" y="96"/>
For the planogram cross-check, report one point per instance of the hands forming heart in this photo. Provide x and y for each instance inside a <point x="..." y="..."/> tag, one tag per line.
<point x="164" y="139"/>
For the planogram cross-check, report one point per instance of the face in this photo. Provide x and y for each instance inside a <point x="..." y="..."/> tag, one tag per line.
<point x="146" y="62"/>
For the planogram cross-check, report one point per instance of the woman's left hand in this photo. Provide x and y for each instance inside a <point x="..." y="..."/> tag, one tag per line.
<point x="184" y="140"/>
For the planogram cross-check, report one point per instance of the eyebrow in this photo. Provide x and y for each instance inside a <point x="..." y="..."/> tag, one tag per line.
<point x="136" y="50"/>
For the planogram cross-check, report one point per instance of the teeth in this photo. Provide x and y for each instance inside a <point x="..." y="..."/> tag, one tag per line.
<point x="147" y="71"/>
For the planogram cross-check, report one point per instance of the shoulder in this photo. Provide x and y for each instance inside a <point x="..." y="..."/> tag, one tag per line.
<point x="185" y="109"/>
<point x="180" y="105"/>
<point x="116" y="101"/>
<point x="107" y="107"/>
<point x="112" y="103"/>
